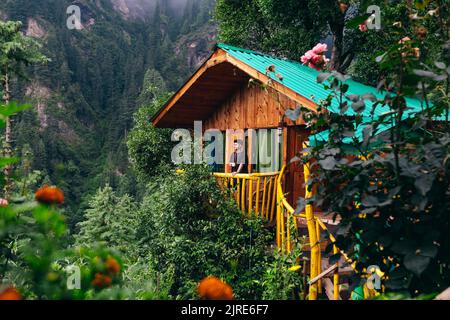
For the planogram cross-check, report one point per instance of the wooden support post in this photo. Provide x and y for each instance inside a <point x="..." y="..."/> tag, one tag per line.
<point x="311" y="223"/>
<point x="336" y="292"/>
<point x="319" y="257"/>
<point x="323" y="274"/>
<point x="304" y="280"/>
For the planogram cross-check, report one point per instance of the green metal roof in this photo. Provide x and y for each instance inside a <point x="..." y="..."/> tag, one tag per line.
<point x="303" y="80"/>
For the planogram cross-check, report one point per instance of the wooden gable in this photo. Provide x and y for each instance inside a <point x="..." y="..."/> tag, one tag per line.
<point x="219" y="90"/>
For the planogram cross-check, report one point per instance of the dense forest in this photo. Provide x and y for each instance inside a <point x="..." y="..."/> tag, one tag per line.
<point x="75" y="137"/>
<point x="92" y="206"/>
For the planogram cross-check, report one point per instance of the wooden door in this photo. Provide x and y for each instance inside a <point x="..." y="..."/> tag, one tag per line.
<point x="294" y="181"/>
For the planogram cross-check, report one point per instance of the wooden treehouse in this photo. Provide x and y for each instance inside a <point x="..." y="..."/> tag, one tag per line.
<point x="244" y="95"/>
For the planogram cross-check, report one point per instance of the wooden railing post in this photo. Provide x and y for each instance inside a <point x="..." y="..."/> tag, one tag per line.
<point x="319" y="256"/>
<point x="258" y="185"/>
<point x="278" y="227"/>
<point x="336" y="292"/>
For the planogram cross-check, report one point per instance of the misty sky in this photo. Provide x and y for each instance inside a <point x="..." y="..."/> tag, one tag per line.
<point x="151" y="3"/>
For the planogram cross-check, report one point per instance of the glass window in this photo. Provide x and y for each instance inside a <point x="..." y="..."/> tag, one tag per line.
<point x="269" y="150"/>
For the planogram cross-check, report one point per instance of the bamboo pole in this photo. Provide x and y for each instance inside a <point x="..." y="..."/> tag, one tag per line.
<point x="282" y="230"/>
<point x="310" y="220"/>
<point x="263" y="202"/>
<point x="288" y="230"/>
<point x="243" y="195"/>
<point x="258" y="185"/>
<point x="319" y="258"/>
<point x="336" y="277"/>
<point x="278" y="232"/>
<point x="268" y="198"/>
<point x="250" y="197"/>
<point x="304" y="279"/>
<point x="274" y="199"/>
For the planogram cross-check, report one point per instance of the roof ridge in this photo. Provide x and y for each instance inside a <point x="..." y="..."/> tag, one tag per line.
<point x="226" y="46"/>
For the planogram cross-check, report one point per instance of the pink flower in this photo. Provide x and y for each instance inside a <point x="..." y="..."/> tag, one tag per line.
<point x="3" y="202"/>
<point x="307" y="56"/>
<point x="315" y="58"/>
<point x="320" y="48"/>
<point x="363" y="27"/>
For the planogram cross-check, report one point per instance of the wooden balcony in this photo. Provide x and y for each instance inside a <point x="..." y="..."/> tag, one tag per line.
<point x="255" y="193"/>
<point x="262" y="194"/>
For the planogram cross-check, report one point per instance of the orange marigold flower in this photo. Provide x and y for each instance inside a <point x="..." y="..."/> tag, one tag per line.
<point x="212" y="288"/>
<point x="112" y="265"/>
<point x="49" y="195"/>
<point x="101" y="281"/>
<point x="10" y="293"/>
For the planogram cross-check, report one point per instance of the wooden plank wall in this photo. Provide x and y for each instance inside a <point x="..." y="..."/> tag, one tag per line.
<point x="255" y="108"/>
<point x="251" y="108"/>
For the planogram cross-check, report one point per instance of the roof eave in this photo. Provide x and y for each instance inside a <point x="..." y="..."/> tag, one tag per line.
<point x="220" y="55"/>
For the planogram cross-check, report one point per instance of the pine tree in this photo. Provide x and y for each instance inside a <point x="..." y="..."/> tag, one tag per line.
<point x="153" y="86"/>
<point x="16" y="51"/>
<point x="110" y="220"/>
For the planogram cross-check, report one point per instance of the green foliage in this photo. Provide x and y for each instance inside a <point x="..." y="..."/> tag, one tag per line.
<point x="194" y="229"/>
<point x="405" y="296"/>
<point x="16" y="50"/>
<point x="153" y="88"/>
<point x="149" y="148"/>
<point x="396" y="24"/>
<point x="142" y="279"/>
<point x="110" y="220"/>
<point x="8" y="110"/>
<point x="289" y="28"/>
<point x="281" y="280"/>
<point x="92" y="87"/>
<point x="393" y="201"/>
<point x="33" y="258"/>
<point x="36" y="260"/>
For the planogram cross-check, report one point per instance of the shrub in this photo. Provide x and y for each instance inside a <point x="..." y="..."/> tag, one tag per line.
<point x="188" y="224"/>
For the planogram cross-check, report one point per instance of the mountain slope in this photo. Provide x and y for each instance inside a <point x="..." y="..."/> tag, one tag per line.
<point x="85" y="97"/>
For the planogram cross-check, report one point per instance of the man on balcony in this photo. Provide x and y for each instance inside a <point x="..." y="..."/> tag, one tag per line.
<point x="238" y="159"/>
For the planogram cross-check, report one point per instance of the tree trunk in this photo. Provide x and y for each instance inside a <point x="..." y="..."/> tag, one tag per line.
<point x="337" y="24"/>
<point x="336" y="54"/>
<point x="8" y="139"/>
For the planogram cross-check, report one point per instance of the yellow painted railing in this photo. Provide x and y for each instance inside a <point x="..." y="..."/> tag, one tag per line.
<point x="262" y="194"/>
<point x="255" y="193"/>
<point x="286" y="220"/>
<point x="286" y="216"/>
